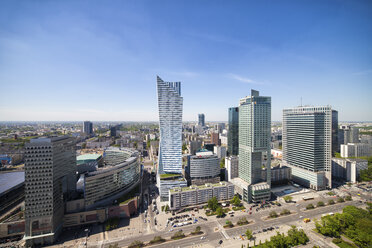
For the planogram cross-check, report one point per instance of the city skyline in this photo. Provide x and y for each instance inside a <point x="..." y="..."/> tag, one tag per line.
<point x="79" y="61"/>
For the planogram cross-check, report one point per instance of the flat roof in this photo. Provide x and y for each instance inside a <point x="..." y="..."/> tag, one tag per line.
<point x="90" y="156"/>
<point x="10" y="180"/>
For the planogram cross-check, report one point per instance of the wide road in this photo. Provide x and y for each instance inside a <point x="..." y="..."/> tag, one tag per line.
<point x="212" y="236"/>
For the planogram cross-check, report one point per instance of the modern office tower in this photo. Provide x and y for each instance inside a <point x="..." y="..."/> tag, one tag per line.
<point x="170" y="122"/>
<point x="88" y="128"/>
<point x="201" y="121"/>
<point x="233" y="133"/>
<point x="307" y="145"/>
<point x="356" y="150"/>
<point x="219" y="127"/>
<point x="232" y="167"/>
<point x="254" y="143"/>
<point x="348" y="170"/>
<point x="220" y="151"/>
<point x="194" y="146"/>
<point x="50" y="176"/>
<point x="335" y="145"/>
<point x="204" y="167"/>
<point x="348" y="134"/>
<point x="170" y="146"/>
<point x="215" y="139"/>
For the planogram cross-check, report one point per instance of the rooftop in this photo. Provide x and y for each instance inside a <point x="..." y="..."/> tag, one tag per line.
<point x="88" y="157"/>
<point x="10" y="180"/>
<point x="195" y="187"/>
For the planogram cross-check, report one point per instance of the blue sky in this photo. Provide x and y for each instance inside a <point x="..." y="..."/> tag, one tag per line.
<point x="98" y="60"/>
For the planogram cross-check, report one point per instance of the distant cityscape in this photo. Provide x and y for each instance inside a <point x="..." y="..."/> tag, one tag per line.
<point x="88" y="183"/>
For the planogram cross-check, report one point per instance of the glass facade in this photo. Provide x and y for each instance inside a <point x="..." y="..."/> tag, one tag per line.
<point x="233" y="134"/>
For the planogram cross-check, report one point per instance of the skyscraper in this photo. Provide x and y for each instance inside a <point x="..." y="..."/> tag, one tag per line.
<point x="201" y="121"/>
<point x="254" y="142"/>
<point x="170" y="122"/>
<point x="50" y="175"/>
<point x="88" y="127"/>
<point x="215" y="139"/>
<point x="335" y="143"/>
<point x="233" y="133"/>
<point x="307" y="145"/>
<point x="170" y="145"/>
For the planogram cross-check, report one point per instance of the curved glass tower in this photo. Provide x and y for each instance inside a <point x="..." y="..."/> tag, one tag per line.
<point x="170" y="122"/>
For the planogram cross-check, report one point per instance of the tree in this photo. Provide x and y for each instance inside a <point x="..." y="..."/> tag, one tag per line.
<point x="287" y="198"/>
<point x="213" y="204"/>
<point x="285" y="212"/>
<point x="310" y="206"/>
<point x="222" y="163"/>
<point x="242" y="221"/>
<point x="184" y="147"/>
<point x="136" y="244"/>
<point x="162" y="208"/>
<point x="235" y="200"/>
<point x="157" y="239"/>
<point x="197" y="230"/>
<point x="248" y="234"/>
<point x="348" y="198"/>
<point x="178" y="235"/>
<point x="340" y="200"/>
<point x="229" y="224"/>
<point x="320" y="204"/>
<point x="331" y="202"/>
<point x="273" y="214"/>
<point x="219" y="212"/>
<point x="166" y="209"/>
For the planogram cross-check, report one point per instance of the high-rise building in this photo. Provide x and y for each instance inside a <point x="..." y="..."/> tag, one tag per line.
<point x="201" y="121"/>
<point x="348" y="134"/>
<point x="356" y="150"/>
<point x="254" y="143"/>
<point x="215" y="139"/>
<point x="220" y="151"/>
<point x="88" y="128"/>
<point x="170" y="122"/>
<point x="307" y="145"/>
<point x="232" y="165"/>
<point x="50" y="176"/>
<point x="233" y="133"/>
<point x="335" y="144"/>
<point x="204" y="167"/>
<point x="170" y="146"/>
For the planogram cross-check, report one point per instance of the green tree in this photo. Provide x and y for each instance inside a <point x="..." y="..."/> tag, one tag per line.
<point x="273" y="214"/>
<point x="222" y="163"/>
<point x="213" y="204"/>
<point x="184" y="147"/>
<point x="287" y="198"/>
<point x="136" y="244"/>
<point x="249" y="234"/>
<point x="348" y="198"/>
<point x="197" y="230"/>
<point x="340" y="200"/>
<point x="285" y="212"/>
<point x="320" y="204"/>
<point x="236" y="201"/>
<point x="219" y="212"/>
<point x="310" y="206"/>
<point x="166" y="209"/>
<point x="331" y="202"/>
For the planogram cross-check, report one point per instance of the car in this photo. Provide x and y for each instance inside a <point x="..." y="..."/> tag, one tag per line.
<point x="254" y="233"/>
<point x="232" y="215"/>
<point x="297" y="205"/>
<point x="220" y="242"/>
<point x="301" y="217"/>
<point x="259" y="231"/>
<point x="202" y="238"/>
<point x="264" y="230"/>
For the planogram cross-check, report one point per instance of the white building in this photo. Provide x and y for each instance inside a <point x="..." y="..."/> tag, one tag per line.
<point x="195" y="195"/>
<point x="348" y="169"/>
<point x="356" y="150"/>
<point x="220" y="151"/>
<point x="232" y="167"/>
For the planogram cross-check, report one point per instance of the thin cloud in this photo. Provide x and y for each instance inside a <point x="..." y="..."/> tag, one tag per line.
<point x="365" y="72"/>
<point x="244" y="79"/>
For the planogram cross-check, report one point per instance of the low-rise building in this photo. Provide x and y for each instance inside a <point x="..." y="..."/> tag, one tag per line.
<point x="195" y="195"/>
<point x="348" y="169"/>
<point x="203" y="168"/>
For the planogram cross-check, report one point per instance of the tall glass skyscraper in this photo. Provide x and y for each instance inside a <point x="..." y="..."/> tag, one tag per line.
<point x="254" y="142"/>
<point x="233" y="134"/>
<point x="201" y="120"/>
<point x="170" y="122"/>
<point x="307" y="145"/>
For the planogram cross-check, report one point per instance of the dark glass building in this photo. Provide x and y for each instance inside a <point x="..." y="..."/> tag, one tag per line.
<point x="233" y="134"/>
<point x="201" y="121"/>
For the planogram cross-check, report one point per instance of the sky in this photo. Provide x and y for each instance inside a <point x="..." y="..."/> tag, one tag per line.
<point x="98" y="60"/>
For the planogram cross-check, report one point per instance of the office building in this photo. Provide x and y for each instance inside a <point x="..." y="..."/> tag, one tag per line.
<point x="215" y="139"/>
<point x="194" y="146"/>
<point x="356" y="150"/>
<point x="279" y="175"/>
<point x="88" y="128"/>
<point x="254" y="143"/>
<point x="233" y="133"/>
<point x="307" y="145"/>
<point x="348" y="134"/>
<point x="204" y="167"/>
<point x="347" y="169"/>
<point x="196" y="195"/>
<point x="201" y="121"/>
<point x="50" y="176"/>
<point x="232" y="168"/>
<point x="170" y="123"/>
<point x="335" y="142"/>
<point x="220" y="151"/>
